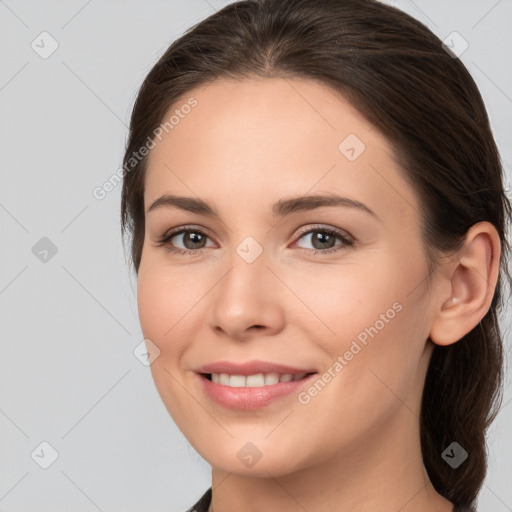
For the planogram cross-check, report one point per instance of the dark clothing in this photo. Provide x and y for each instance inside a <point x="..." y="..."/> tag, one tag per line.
<point x="204" y="502"/>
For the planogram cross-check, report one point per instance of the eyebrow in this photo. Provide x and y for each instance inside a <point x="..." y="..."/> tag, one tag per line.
<point x="281" y="208"/>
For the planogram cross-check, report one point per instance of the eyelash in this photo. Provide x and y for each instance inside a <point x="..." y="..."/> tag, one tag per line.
<point x="346" y="241"/>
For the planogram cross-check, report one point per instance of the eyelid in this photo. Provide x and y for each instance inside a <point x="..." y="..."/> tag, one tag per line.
<point x="186" y="227"/>
<point x="325" y="227"/>
<point x="171" y="233"/>
<point x="347" y="239"/>
<point x="307" y="229"/>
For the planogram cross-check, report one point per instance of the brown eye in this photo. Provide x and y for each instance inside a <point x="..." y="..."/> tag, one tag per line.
<point x="324" y="239"/>
<point x="192" y="240"/>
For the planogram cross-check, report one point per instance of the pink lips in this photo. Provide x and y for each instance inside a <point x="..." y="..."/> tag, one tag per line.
<point x="250" y="398"/>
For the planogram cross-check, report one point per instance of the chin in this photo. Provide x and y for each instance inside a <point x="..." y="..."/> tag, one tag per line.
<point x="257" y="458"/>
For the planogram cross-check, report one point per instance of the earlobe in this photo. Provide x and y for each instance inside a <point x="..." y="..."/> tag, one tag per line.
<point x="472" y="282"/>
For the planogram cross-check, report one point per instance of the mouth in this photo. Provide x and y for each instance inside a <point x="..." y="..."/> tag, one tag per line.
<point x="255" y="380"/>
<point x="253" y="391"/>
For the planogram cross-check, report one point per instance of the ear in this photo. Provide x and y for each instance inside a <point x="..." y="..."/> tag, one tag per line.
<point x="472" y="274"/>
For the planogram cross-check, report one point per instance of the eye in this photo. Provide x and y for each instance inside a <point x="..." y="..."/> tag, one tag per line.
<point x="324" y="239"/>
<point x="191" y="237"/>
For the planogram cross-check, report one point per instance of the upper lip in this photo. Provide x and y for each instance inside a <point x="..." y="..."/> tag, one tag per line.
<point x="251" y="368"/>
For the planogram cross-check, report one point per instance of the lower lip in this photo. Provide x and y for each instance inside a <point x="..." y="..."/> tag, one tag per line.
<point x="248" y="399"/>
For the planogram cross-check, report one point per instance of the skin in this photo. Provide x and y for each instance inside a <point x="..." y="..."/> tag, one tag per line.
<point x="355" y="446"/>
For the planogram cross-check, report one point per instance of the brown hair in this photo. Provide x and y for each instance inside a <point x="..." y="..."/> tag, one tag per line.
<point x="395" y="71"/>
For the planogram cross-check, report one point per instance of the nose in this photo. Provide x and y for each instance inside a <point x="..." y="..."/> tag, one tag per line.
<point x="248" y="301"/>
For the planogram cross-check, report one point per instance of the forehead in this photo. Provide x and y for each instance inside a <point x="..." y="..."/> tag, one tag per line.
<point x="265" y="138"/>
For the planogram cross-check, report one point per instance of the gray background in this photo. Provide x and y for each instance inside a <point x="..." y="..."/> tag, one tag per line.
<point x="68" y="374"/>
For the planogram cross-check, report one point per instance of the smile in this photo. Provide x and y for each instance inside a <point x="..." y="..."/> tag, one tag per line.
<point x="253" y="381"/>
<point x="250" y="392"/>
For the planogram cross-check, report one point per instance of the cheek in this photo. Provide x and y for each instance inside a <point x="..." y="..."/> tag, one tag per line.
<point x="374" y="326"/>
<point x="163" y="304"/>
<point x="347" y="300"/>
<point x="152" y="301"/>
<point x="163" y="318"/>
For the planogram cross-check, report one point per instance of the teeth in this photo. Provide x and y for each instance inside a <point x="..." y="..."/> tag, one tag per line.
<point x="253" y="381"/>
<point x="271" y="378"/>
<point x="237" y="381"/>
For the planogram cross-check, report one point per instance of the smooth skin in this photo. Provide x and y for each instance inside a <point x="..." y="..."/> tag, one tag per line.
<point x="355" y="446"/>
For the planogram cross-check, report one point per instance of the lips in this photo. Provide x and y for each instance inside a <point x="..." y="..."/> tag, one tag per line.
<point x="251" y="385"/>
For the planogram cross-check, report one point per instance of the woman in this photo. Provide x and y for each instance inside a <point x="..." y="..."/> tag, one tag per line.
<point x="318" y="226"/>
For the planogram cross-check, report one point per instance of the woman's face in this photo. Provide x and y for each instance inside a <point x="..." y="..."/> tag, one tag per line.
<point x="252" y="289"/>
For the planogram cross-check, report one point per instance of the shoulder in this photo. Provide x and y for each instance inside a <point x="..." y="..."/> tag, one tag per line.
<point x="203" y="503"/>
